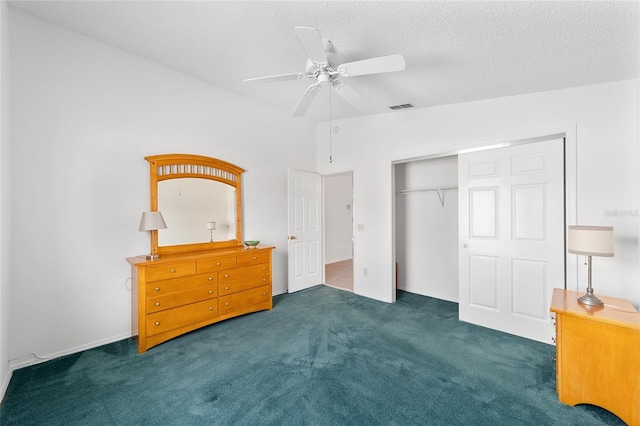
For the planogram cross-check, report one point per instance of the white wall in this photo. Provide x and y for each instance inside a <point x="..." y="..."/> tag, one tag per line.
<point x="605" y="117"/>
<point x="338" y="217"/>
<point x="427" y="231"/>
<point x="84" y="115"/>
<point x="5" y="139"/>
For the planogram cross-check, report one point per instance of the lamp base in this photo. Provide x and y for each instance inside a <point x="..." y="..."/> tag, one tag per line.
<point x="590" y="299"/>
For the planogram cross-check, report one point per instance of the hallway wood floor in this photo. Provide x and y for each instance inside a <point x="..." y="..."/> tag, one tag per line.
<point x="340" y="275"/>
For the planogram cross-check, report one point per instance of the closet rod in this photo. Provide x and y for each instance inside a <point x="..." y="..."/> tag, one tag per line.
<point x="440" y="196"/>
<point x="407" y="191"/>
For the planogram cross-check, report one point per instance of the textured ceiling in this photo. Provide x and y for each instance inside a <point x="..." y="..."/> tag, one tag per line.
<point x="455" y="51"/>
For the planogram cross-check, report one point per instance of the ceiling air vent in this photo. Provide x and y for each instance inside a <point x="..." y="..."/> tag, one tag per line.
<point x="403" y="106"/>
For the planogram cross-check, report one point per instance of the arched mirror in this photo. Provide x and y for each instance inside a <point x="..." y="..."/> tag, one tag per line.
<point x="200" y="199"/>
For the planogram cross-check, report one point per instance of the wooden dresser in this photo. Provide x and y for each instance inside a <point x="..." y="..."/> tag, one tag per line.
<point x="598" y="354"/>
<point x="179" y="293"/>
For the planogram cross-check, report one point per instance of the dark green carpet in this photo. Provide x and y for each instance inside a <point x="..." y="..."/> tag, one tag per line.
<point x="320" y="357"/>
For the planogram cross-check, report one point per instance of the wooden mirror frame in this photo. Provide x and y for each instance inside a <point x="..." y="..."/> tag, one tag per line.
<point x="175" y="166"/>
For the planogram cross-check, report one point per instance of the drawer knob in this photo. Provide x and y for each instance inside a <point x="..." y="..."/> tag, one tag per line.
<point x="218" y="264"/>
<point x="210" y="291"/>
<point x="264" y="293"/>
<point x="157" y="322"/>
<point x="210" y="308"/>
<point x="157" y="303"/>
<point x="264" y="279"/>
<point x="210" y="278"/>
<point x="226" y="275"/>
<point x="226" y="304"/>
<point x="264" y="268"/>
<point x="254" y="258"/>
<point x="157" y="288"/>
<point x="173" y="270"/>
<point x="226" y="288"/>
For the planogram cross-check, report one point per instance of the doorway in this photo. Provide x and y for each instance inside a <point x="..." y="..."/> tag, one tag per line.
<point x="338" y="230"/>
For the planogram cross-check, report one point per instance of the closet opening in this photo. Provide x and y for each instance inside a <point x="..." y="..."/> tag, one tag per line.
<point x="426" y="211"/>
<point x="485" y="228"/>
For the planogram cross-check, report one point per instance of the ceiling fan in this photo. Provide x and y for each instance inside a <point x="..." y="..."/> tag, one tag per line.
<point x="321" y="72"/>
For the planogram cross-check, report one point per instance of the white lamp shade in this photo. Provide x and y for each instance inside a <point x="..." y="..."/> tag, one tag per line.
<point x="211" y="225"/>
<point x="591" y="240"/>
<point x="152" y="221"/>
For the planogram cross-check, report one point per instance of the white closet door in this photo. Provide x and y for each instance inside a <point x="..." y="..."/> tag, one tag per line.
<point x="511" y="218"/>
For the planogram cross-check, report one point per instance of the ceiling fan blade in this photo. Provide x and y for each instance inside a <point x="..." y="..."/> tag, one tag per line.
<point x="305" y="100"/>
<point x="379" y="65"/>
<point x="350" y="95"/>
<point x="274" y="78"/>
<point x="312" y="42"/>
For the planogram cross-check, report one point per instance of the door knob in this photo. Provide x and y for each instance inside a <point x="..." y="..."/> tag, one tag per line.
<point x="292" y="237"/>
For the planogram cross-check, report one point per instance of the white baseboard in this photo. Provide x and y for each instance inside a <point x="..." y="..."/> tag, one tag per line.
<point x="338" y="260"/>
<point x="5" y="383"/>
<point x="31" y="359"/>
<point x="429" y="294"/>
<point x="338" y="288"/>
<point x="371" y="296"/>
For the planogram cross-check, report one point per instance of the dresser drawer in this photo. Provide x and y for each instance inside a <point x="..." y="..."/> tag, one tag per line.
<point x="243" y="299"/>
<point x="160" y="303"/>
<point x="216" y="264"/>
<point x="170" y="270"/>
<point x="160" y="288"/>
<point x="236" y="286"/>
<point x="160" y="322"/>
<point x="240" y="274"/>
<point x="243" y="278"/>
<point x="253" y="258"/>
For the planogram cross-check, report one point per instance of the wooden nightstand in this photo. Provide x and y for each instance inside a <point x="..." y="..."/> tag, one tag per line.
<point x="598" y="354"/>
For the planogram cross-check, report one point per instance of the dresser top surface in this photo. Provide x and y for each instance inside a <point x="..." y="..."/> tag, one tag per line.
<point x="615" y="311"/>
<point x="179" y="257"/>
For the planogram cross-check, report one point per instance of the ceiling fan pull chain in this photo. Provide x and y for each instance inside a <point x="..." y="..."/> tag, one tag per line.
<point x="330" y="128"/>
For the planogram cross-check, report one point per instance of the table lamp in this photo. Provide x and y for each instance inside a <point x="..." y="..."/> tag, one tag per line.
<point x="211" y="226"/>
<point x="152" y="221"/>
<point x="591" y="241"/>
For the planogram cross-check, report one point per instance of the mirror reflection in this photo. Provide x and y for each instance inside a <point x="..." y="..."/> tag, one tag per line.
<point x="196" y="211"/>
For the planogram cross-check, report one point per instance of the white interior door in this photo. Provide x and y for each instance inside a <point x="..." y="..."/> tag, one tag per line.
<point x="511" y="233"/>
<point x="305" y="230"/>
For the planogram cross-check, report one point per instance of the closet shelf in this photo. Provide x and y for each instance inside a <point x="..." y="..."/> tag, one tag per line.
<point x="449" y="188"/>
<point x="407" y="191"/>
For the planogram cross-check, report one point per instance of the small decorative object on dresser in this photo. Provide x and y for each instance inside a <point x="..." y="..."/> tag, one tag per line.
<point x="598" y="354"/>
<point x="251" y="244"/>
<point x="198" y="281"/>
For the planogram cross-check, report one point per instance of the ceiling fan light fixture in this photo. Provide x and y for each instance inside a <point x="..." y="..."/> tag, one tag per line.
<point x="324" y="78"/>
